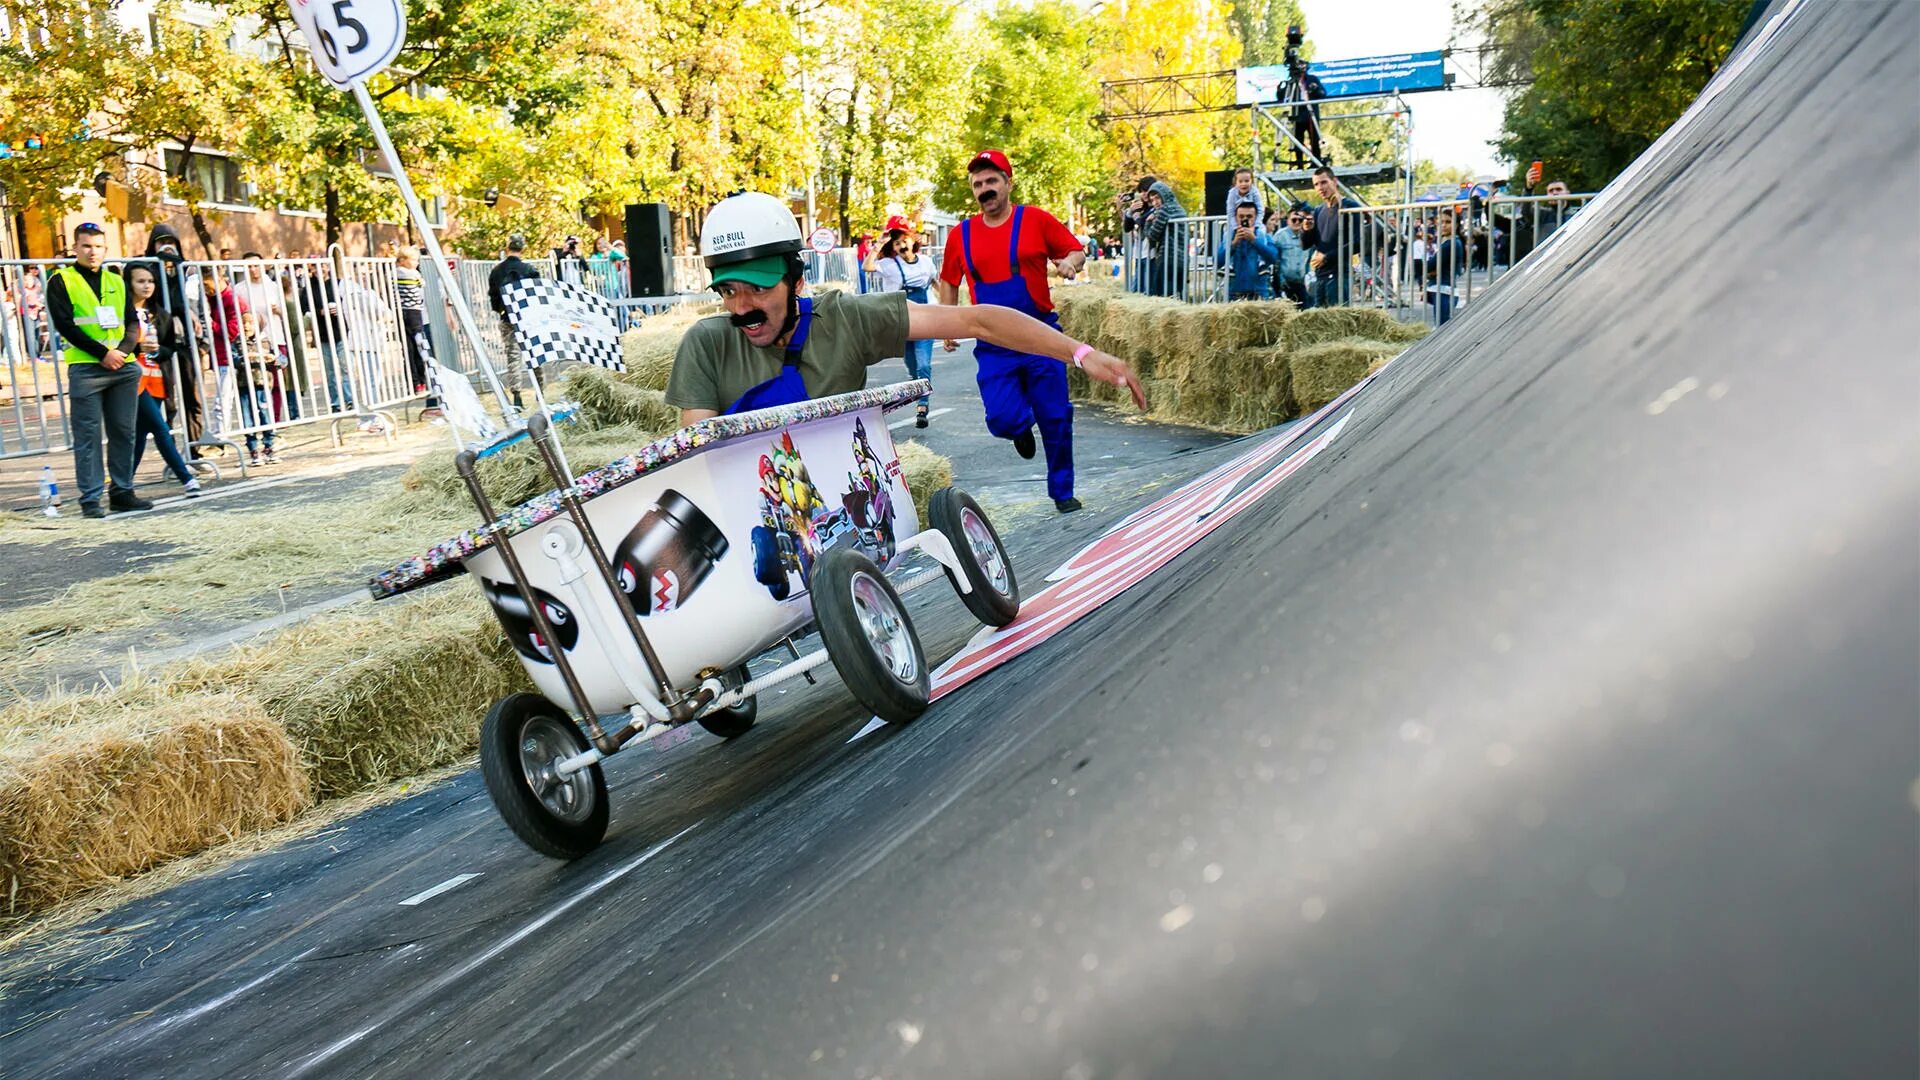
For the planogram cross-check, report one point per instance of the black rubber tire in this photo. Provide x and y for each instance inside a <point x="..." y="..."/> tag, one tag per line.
<point x="871" y="679"/>
<point x="988" y="604"/>
<point x="546" y="832"/>
<point x="735" y="722"/>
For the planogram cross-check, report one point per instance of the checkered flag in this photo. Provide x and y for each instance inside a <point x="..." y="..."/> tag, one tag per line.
<point x="556" y="321"/>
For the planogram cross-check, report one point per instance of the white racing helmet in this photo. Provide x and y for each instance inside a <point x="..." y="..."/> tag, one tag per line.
<point x="748" y="227"/>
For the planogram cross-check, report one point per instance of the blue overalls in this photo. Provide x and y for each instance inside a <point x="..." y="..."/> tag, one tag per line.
<point x="1020" y="389"/>
<point x="919" y="353"/>
<point x="787" y="387"/>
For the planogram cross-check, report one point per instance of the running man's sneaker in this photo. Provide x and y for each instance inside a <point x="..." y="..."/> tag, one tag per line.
<point x="193" y="488"/>
<point x="1067" y="505"/>
<point x="920" y="418"/>
<point x="1023" y="445"/>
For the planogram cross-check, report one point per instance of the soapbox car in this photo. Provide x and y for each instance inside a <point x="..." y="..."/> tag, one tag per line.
<point x="636" y="594"/>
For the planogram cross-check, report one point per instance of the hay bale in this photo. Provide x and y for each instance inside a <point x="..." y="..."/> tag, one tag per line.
<point x="511" y="476"/>
<point x="926" y="472"/>
<point x="1319" y="325"/>
<point x="376" y="697"/>
<point x="1323" y="372"/>
<point x="608" y="400"/>
<point x="97" y="786"/>
<point x="648" y="352"/>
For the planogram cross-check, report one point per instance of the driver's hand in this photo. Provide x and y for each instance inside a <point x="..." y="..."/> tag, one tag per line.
<point x="1108" y="368"/>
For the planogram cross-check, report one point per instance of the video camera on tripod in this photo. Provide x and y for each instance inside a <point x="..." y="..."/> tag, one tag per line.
<point x="1301" y="88"/>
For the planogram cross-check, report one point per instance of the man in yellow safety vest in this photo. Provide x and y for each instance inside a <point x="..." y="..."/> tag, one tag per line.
<point x="88" y="306"/>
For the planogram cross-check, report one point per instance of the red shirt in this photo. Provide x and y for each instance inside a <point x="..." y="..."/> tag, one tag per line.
<point x="1042" y="239"/>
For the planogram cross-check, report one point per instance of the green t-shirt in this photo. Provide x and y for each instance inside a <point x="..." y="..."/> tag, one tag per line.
<point x="715" y="366"/>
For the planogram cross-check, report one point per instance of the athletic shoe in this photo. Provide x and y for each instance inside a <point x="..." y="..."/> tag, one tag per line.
<point x="271" y="458"/>
<point x="1023" y="444"/>
<point x="127" y="500"/>
<point x="253" y="461"/>
<point x="1067" y="505"/>
<point x="920" y="420"/>
<point x="193" y="488"/>
<point x="92" y="510"/>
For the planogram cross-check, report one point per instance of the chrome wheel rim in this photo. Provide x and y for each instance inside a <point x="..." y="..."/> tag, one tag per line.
<point x="986" y="551"/>
<point x="545" y="742"/>
<point x="885" y="627"/>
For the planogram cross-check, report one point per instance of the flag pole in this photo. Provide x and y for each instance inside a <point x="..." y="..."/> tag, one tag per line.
<point x="432" y="243"/>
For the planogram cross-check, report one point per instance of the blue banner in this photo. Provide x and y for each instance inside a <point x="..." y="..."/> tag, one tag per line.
<point x="1401" y="72"/>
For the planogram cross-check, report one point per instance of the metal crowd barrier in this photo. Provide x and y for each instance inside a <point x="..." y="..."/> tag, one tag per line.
<point x="1395" y="257"/>
<point x="1427" y="260"/>
<point x="34" y="418"/>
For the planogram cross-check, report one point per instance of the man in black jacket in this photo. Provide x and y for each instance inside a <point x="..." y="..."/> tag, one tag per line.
<point x="510" y="269"/>
<point x="164" y="244"/>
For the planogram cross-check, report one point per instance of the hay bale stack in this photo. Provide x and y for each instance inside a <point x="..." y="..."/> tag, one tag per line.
<point x="97" y="786"/>
<point x="1323" y="372"/>
<point x="376" y="697"/>
<point x="607" y="399"/>
<point x="925" y="471"/>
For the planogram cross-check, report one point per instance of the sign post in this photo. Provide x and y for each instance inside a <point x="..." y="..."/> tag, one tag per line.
<point x="351" y="40"/>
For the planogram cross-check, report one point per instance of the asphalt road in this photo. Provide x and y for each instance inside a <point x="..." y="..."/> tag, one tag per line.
<point x="1559" y="718"/>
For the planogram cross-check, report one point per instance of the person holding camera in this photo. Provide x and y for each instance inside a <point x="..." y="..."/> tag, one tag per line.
<point x="899" y="267"/>
<point x="1133" y="220"/>
<point x="1248" y="254"/>
<point x="1302" y="86"/>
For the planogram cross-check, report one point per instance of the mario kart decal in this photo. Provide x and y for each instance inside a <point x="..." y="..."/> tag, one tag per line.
<point x="796" y="524"/>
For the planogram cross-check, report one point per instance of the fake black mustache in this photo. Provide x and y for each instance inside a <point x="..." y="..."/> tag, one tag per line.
<point x="987" y="197"/>
<point x="748" y="321"/>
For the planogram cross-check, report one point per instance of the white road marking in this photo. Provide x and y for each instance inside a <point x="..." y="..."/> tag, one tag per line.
<point x="448" y="885"/>
<point x="873" y="725"/>
<point x="201" y="1010"/>
<point x="909" y="421"/>
<point x="447" y="978"/>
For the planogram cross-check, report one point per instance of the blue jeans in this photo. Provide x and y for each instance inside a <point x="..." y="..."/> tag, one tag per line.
<point x="1442" y="306"/>
<point x="330" y="363"/>
<point x="152" y="420"/>
<point x="98" y="398"/>
<point x="920" y="364"/>
<point x="256" y="407"/>
<point x="1325" y="292"/>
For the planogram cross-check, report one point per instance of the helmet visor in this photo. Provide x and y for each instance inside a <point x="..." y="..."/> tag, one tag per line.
<point x="765" y="272"/>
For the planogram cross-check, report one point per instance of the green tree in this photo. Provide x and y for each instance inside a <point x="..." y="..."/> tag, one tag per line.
<point x="1032" y="96"/>
<point x="1261" y="28"/>
<point x="1608" y="76"/>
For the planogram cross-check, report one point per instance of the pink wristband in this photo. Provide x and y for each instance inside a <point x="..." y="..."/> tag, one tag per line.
<point x="1080" y="355"/>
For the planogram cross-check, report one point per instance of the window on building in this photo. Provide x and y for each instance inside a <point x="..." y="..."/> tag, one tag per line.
<point x="217" y="176"/>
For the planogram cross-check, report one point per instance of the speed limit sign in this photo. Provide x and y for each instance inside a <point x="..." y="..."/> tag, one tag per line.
<point x="351" y="39"/>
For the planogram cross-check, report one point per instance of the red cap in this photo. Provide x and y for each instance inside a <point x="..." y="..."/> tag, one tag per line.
<point x="896" y="223"/>
<point x="993" y="159"/>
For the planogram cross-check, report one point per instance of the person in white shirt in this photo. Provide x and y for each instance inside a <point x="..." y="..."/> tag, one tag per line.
<point x="901" y="269"/>
<point x="266" y="299"/>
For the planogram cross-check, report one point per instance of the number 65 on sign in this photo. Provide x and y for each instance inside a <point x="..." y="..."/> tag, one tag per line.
<point x="351" y="39"/>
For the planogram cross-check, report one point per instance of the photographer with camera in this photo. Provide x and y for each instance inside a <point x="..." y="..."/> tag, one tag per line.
<point x="1302" y="86"/>
<point x="1133" y="218"/>
<point x="1248" y="254"/>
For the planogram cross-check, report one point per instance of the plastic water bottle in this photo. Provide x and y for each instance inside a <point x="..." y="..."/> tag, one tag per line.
<point x="49" y="492"/>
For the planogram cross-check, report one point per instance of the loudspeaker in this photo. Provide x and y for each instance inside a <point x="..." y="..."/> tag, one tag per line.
<point x="650" y="249"/>
<point x="1219" y="182"/>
